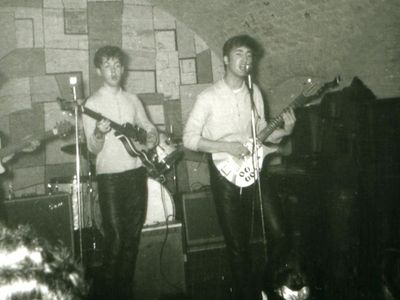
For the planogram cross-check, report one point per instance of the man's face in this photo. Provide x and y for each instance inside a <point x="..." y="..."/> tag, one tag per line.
<point x="111" y="70"/>
<point x="238" y="60"/>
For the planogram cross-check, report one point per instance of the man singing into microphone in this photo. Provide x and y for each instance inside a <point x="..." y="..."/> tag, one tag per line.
<point x="220" y="121"/>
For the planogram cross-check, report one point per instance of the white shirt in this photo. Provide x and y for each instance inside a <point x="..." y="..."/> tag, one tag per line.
<point x="220" y="114"/>
<point x="120" y="107"/>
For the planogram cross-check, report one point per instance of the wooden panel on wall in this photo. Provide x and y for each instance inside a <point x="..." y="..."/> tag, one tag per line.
<point x="44" y="88"/>
<point x="23" y="63"/>
<point x="173" y="118"/>
<point x="7" y="34"/>
<point x="15" y="95"/>
<point x="204" y="67"/>
<point x="185" y="41"/>
<point x="104" y="22"/>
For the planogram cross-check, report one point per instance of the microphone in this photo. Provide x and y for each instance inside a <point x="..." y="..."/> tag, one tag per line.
<point x="249" y="80"/>
<point x="73" y="80"/>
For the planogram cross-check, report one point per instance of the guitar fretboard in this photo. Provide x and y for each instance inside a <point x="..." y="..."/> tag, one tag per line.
<point x="300" y="100"/>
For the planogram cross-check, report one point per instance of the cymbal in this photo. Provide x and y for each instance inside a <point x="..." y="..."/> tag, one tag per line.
<point x="71" y="149"/>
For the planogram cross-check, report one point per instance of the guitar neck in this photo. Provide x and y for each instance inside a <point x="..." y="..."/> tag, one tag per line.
<point x="17" y="147"/>
<point x="297" y="102"/>
<point x="278" y="120"/>
<point x="98" y="117"/>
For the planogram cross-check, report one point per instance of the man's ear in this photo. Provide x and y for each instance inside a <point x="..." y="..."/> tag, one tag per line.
<point x="98" y="71"/>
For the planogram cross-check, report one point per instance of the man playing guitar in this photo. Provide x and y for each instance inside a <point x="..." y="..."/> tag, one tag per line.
<point x="220" y="121"/>
<point x="121" y="178"/>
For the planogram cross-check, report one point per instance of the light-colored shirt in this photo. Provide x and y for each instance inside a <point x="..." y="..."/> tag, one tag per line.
<point x="221" y="114"/>
<point x="121" y="108"/>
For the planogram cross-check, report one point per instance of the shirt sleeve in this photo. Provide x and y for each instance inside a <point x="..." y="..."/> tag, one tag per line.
<point x="195" y="123"/>
<point x="94" y="144"/>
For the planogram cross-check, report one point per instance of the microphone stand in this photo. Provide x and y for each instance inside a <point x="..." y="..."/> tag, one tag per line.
<point x="256" y="167"/>
<point x="73" y="81"/>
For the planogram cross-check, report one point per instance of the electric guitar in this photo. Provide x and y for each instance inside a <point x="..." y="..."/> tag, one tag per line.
<point x="134" y="140"/>
<point x="61" y="129"/>
<point x="241" y="171"/>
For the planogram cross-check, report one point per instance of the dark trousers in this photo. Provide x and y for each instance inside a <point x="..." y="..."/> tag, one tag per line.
<point x="123" y="204"/>
<point x="234" y="211"/>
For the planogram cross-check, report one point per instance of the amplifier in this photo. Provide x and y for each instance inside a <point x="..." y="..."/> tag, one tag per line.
<point x="160" y="270"/>
<point x="49" y="215"/>
<point x="200" y="219"/>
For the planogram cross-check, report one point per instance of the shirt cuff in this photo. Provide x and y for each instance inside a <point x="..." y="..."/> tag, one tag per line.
<point x="191" y="142"/>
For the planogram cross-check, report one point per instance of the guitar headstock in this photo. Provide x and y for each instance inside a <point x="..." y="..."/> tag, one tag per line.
<point x="313" y="90"/>
<point x="63" y="128"/>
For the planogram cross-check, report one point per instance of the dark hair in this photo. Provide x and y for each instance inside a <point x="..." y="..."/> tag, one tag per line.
<point x="108" y="52"/>
<point x="31" y="268"/>
<point x="240" y="41"/>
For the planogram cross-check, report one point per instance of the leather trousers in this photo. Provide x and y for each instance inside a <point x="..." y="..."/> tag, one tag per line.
<point x="123" y="205"/>
<point x="234" y="211"/>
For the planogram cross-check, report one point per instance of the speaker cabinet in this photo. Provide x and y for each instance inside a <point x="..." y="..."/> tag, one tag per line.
<point x="160" y="263"/>
<point x="201" y="224"/>
<point x="49" y="215"/>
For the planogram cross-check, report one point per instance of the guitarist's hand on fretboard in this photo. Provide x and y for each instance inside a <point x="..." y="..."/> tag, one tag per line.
<point x="102" y="127"/>
<point x="289" y="119"/>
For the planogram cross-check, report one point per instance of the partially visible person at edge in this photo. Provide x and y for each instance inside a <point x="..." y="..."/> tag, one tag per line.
<point x="121" y="178"/>
<point x="32" y="145"/>
<point x="220" y="121"/>
<point x="31" y="268"/>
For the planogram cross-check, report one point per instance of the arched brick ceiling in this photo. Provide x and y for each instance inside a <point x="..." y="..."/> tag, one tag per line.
<point x="305" y="38"/>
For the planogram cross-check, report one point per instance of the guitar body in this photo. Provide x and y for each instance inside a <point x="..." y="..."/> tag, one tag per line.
<point x="137" y="151"/>
<point x="242" y="171"/>
<point x="157" y="160"/>
<point x="132" y="145"/>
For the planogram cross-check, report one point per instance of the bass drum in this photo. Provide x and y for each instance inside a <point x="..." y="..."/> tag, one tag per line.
<point x="160" y="204"/>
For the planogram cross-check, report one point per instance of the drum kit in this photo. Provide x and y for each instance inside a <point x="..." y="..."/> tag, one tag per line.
<point x="84" y="192"/>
